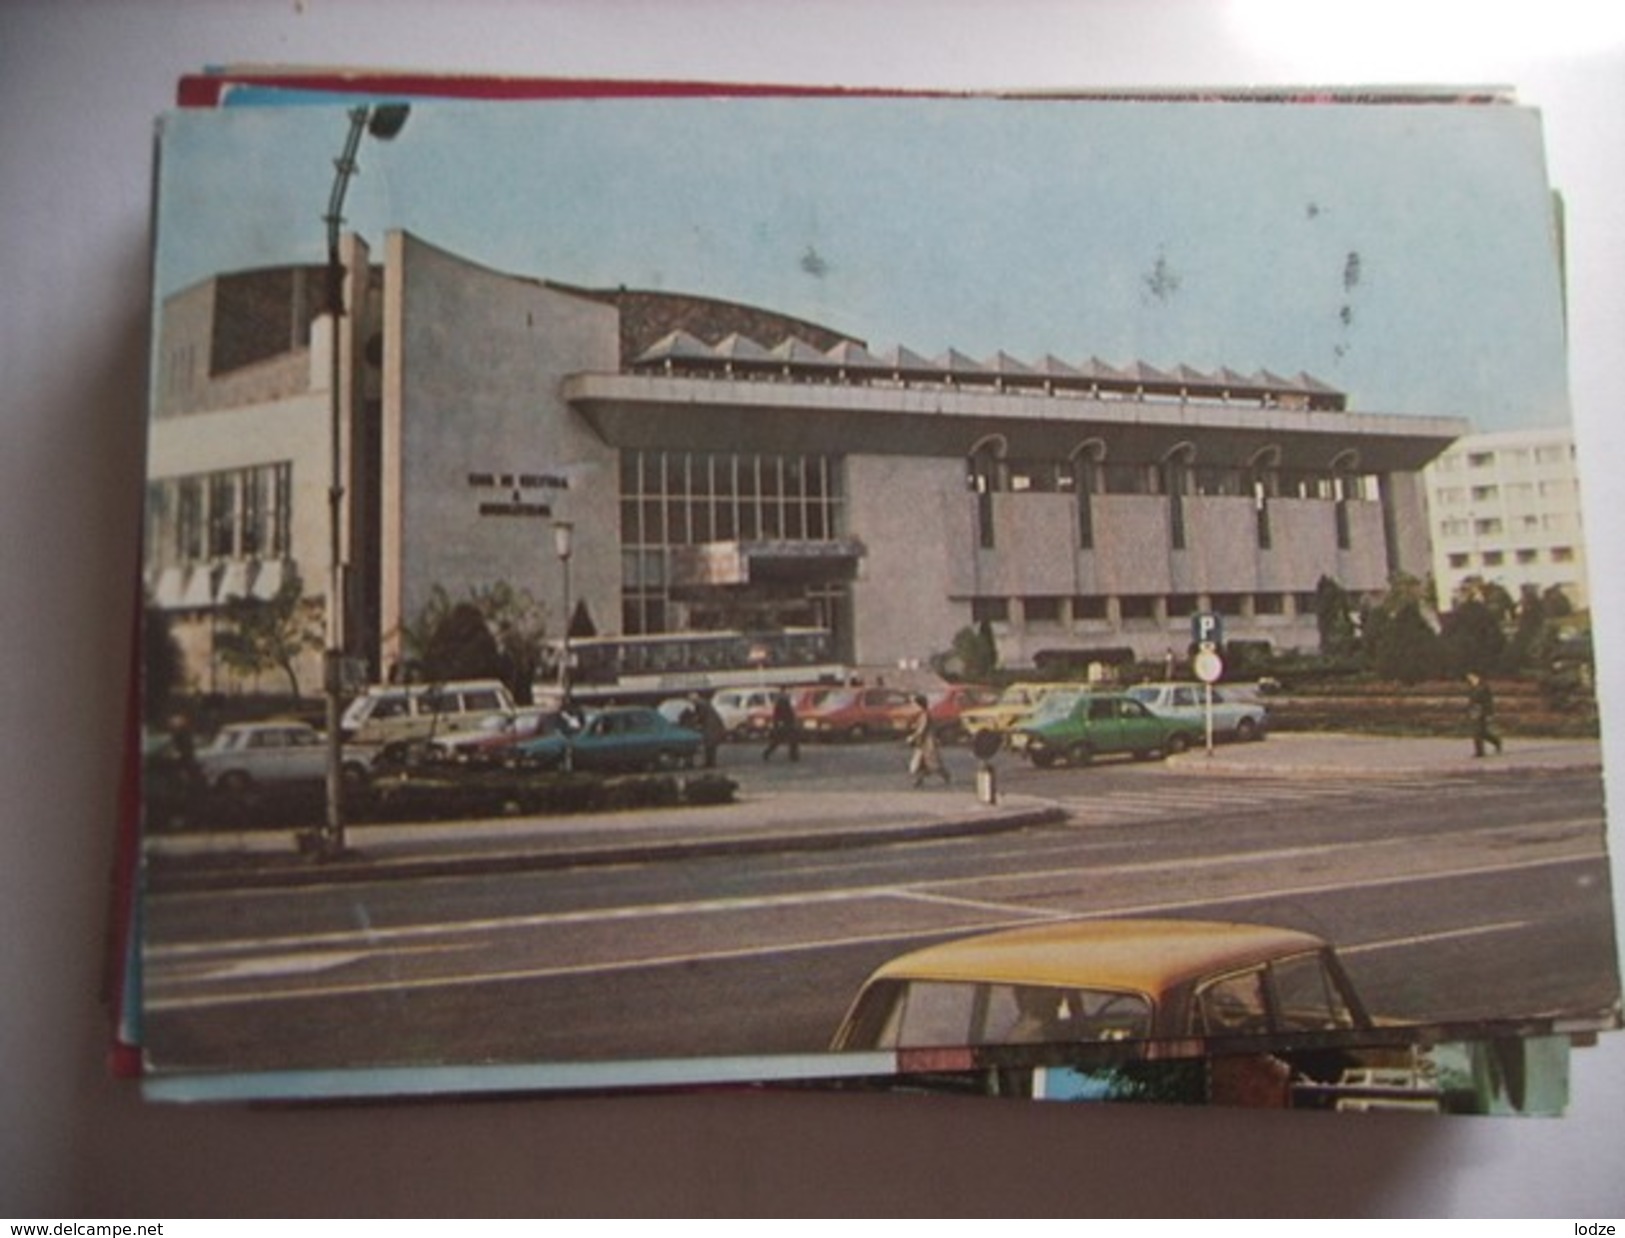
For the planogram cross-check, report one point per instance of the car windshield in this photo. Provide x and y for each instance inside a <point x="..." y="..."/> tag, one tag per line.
<point x="925" y="1013"/>
<point x="1055" y="706"/>
<point x="837" y="700"/>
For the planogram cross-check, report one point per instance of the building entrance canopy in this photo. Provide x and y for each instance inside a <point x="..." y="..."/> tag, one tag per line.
<point x="720" y="413"/>
<point x="697" y="569"/>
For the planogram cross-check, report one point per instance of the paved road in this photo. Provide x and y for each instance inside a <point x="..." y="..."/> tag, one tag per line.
<point x="1455" y="898"/>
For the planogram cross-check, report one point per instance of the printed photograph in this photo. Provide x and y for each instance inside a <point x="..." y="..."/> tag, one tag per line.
<point x="1073" y="598"/>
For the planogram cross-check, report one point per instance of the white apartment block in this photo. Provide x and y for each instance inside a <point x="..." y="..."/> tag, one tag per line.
<point x="1506" y="507"/>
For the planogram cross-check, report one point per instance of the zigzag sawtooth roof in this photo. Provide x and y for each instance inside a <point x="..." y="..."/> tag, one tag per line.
<point x="795" y="356"/>
<point x="647" y="317"/>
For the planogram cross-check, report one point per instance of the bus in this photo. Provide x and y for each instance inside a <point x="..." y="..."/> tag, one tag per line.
<point x="677" y="662"/>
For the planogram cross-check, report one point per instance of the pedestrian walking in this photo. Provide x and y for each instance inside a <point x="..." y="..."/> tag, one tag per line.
<point x="783" y="729"/>
<point x="1481" y="710"/>
<point x="702" y="716"/>
<point x="926" y="759"/>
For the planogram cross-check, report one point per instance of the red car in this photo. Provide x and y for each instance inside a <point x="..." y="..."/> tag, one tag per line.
<point x="803" y="700"/>
<point x="859" y="714"/>
<point x="946" y="704"/>
<point x="493" y="738"/>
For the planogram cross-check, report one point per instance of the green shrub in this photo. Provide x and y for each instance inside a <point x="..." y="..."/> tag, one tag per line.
<point x="709" y="789"/>
<point x="640" y="791"/>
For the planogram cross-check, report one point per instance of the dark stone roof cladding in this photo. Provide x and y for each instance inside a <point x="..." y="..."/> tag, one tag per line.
<point x="647" y="317"/>
<point x="263" y="313"/>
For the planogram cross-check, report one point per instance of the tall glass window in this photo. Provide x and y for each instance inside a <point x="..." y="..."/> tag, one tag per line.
<point x="690" y="498"/>
<point x="231" y="514"/>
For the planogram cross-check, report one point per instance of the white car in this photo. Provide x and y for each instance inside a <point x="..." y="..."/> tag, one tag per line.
<point x="244" y="755"/>
<point x="387" y="713"/>
<point x="1186" y="704"/>
<point x="743" y="710"/>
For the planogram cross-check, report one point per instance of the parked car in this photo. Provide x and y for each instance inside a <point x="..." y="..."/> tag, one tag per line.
<point x="1268" y="1015"/>
<point x="744" y="711"/>
<point x="1077" y="727"/>
<point x="621" y="738"/>
<point x="949" y="704"/>
<point x="804" y="698"/>
<point x="1186" y="704"/>
<point x="859" y="714"/>
<point x="497" y="734"/>
<point x="1011" y="708"/>
<point x="387" y="713"/>
<point x="248" y="755"/>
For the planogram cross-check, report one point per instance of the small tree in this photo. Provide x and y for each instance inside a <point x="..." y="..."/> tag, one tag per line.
<point x="971" y="656"/>
<point x="1402" y="645"/>
<point x="1472" y="639"/>
<point x="498" y="632"/>
<point x="1488" y="594"/>
<point x="1556" y="603"/>
<point x="518" y="624"/>
<point x="264" y="634"/>
<point x="1531" y="636"/>
<point x="462" y="647"/>
<point x="1334" y="616"/>
<point x="161" y="665"/>
<point x="1399" y="639"/>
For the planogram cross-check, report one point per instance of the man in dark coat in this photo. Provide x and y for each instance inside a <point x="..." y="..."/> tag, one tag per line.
<point x="783" y="729"/>
<point x="702" y="716"/>
<point x="1481" y="709"/>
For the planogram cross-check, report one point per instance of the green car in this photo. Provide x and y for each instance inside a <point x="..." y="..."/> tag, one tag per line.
<point x="1078" y="727"/>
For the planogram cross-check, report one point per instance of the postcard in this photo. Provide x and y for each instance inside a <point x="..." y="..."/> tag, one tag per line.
<point x="1024" y="592"/>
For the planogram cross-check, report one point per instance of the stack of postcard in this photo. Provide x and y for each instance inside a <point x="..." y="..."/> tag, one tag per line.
<point x="658" y="585"/>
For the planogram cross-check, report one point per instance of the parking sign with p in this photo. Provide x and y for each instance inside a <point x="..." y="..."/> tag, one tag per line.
<point x="1207" y="628"/>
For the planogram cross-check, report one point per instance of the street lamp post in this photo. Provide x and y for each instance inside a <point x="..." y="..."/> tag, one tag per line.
<point x="382" y="121"/>
<point x="563" y="544"/>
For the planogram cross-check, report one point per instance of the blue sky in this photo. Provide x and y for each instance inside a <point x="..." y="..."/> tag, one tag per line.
<point x="1401" y="253"/>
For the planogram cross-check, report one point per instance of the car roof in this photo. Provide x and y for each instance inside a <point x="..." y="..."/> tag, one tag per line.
<point x="1144" y="955"/>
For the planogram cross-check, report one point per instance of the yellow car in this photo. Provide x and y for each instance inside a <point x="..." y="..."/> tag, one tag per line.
<point x="1175" y="984"/>
<point x="1179" y="1011"/>
<point x="1012" y="708"/>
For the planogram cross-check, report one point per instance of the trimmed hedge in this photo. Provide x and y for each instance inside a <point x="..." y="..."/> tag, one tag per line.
<point x="449" y="793"/>
<point x="1522" y="707"/>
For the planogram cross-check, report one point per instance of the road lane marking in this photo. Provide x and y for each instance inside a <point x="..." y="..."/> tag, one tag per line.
<point x="371" y="936"/>
<point x="276" y="965"/>
<point x="298" y="964"/>
<point x="975" y="904"/>
<point x="692" y="958"/>
<point x="1424" y="939"/>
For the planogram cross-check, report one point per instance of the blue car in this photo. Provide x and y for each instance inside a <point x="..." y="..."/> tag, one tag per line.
<point x="623" y="738"/>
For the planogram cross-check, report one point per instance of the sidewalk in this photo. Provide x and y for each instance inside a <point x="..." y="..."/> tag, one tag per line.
<point x="1307" y="755"/>
<point x="790" y="820"/>
<point x="755" y="824"/>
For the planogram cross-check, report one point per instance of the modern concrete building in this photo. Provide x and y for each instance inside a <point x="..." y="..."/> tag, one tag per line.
<point x="727" y="468"/>
<point x="1505" y="508"/>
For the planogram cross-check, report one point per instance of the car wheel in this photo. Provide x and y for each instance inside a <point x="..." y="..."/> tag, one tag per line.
<point x="356" y="776"/>
<point x="1178" y="742"/>
<point x="1080" y="755"/>
<point x="1246" y="730"/>
<point x="1043" y="760"/>
<point x="235" y="783"/>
